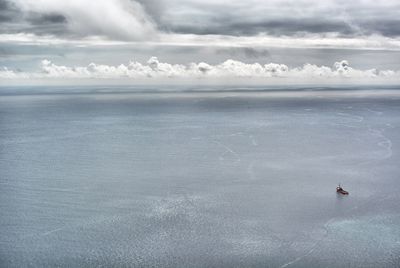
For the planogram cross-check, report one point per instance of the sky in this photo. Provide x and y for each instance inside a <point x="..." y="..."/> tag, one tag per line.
<point x="195" y="40"/>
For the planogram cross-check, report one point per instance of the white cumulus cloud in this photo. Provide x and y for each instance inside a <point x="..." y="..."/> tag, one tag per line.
<point x="153" y="69"/>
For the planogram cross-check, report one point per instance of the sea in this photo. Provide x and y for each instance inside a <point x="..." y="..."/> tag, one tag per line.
<point x="199" y="176"/>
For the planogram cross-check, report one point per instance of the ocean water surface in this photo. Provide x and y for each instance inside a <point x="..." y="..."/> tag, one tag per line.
<point x="161" y="177"/>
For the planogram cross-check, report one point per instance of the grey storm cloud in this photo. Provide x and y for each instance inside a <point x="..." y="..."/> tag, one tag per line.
<point x="15" y="20"/>
<point x="8" y="11"/>
<point x="202" y="17"/>
<point x="50" y="18"/>
<point x="272" y="27"/>
<point x="113" y="19"/>
<point x="276" y="17"/>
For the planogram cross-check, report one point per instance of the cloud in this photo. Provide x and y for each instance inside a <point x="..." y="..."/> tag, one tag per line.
<point x="8" y="11"/>
<point x="154" y="69"/>
<point x="8" y="74"/>
<point x="180" y="31"/>
<point x="276" y="17"/>
<point x="247" y="52"/>
<point x="143" y="19"/>
<point x="113" y="19"/>
<point x="275" y="27"/>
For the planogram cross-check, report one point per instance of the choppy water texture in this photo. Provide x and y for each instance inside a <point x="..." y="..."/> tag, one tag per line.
<point x="226" y="179"/>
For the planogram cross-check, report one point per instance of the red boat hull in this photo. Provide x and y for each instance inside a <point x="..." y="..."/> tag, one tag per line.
<point x="343" y="192"/>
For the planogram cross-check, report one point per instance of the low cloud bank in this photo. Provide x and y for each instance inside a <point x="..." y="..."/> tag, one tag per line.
<point x="154" y="69"/>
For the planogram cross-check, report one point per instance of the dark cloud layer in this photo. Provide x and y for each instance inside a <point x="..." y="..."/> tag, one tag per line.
<point x="237" y="18"/>
<point x="276" y="17"/>
<point x="271" y="27"/>
<point x="50" y="23"/>
<point x="14" y="20"/>
<point x="50" y="18"/>
<point x="383" y="26"/>
<point x="8" y="11"/>
<point x="247" y="52"/>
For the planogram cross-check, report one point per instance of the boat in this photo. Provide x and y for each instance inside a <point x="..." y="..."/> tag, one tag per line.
<point x="340" y="190"/>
